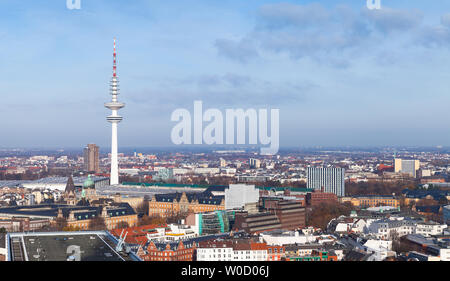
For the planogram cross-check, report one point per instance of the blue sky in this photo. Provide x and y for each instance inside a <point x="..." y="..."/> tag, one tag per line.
<point x="339" y="73"/>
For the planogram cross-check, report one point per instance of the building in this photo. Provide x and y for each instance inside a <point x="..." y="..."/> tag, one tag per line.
<point x="319" y="197"/>
<point x="427" y="229"/>
<point x="91" y="158"/>
<point x="290" y="213"/>
<point x="70" y="192"/>
<point x="254" y="163"/>
<point x="164" y="174"/>
<point x="405" y="166"/>
<point x="238" y="195"/>
<point x="253" y="178"/>
<point x="283" y="237"/>
<point x="170" y="204"/>
<point x="19" y="224"/>
<point x="446" y="214"/>
<point x="327" y="179"/>
<point x="386" y="228"/>
<point x="2" y="247"/>
<point x="232" y="250"/>
<point x="256" y="223"/>
<point x="66" y="246"/>
<point x="182" y="250"/>
<point x="114" y="119"/>
<point x="220" y="221"/>
<point x="367" y="201"/>
<point x="316" y="255"/>
<point x="175" y="251"/>
<point x="76" y="217"/>
<point x="137" y="235"/>
<point x="60" y="183"/>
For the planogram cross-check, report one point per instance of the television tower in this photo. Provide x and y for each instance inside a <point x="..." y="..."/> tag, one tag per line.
<point x="114" y="119"/>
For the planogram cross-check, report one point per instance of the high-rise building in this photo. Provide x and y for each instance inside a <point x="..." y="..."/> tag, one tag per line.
<point x="254" y="163"/>
<point x="91" y="158"/>
<point x="327" y="180"/>
<point x="114" y="119"/>
<point x="406" y="166"/>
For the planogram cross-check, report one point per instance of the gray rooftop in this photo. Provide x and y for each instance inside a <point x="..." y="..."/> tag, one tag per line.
<point x="63" y="246"/>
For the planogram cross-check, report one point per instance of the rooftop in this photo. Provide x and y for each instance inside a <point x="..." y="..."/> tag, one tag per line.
<point x="63" y="246"/>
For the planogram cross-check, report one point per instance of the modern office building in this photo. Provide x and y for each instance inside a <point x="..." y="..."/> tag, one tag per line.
<point x="219" y="221"/>
<point x="327" y="180"/>
<point x="406" y="166"/>
<point x="91" y="158"/>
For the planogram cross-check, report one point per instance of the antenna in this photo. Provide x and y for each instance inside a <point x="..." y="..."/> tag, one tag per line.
<point x="114" y="55"/>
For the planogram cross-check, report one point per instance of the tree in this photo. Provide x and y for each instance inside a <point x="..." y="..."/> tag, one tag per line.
<point x="71" y="228"/>
<point x="97" y="223"/>
<point x="321" y="215"/>
<point x="143" y="207"/>
<point x="176" y="218"/>
<point x="60" y="224"/>
<point x="2" y="230"/>
<point x="146" y="220"/>
<point x="122" y="224"/>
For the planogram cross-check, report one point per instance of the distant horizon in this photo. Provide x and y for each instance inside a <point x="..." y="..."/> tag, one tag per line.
<point x="226" y="148"/>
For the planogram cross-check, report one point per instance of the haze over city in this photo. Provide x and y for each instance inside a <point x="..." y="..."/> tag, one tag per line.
<point x="339" y="73"/>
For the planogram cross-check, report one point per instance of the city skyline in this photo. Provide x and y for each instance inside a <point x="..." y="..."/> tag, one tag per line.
<point x="371" y="79"/>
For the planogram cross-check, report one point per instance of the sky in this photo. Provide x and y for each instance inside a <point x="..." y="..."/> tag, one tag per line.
<point x="339" y="73"/>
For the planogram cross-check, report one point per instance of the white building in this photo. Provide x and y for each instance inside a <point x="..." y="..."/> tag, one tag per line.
<point x="238" y="195"/>
<point x="280" y="238"/>
<point x="177" y="232"/>
<point x="378" y="245"/>
<point x="444" y="254"/>
<point x="428" y="229"/>
<point x="231" y="251"/>
<point x="385" y="228"/>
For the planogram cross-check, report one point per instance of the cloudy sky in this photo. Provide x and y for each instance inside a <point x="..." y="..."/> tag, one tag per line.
<point x="339" y="73"/>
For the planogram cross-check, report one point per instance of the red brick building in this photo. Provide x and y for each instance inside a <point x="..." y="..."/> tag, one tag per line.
<point x="174" y="251"/>
<point x="137" y="234"/>
<point x="318" y="197"/>
<point x="275" y="253"/>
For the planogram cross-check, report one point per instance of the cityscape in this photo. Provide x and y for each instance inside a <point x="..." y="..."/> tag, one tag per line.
<point x="235" y="187"/>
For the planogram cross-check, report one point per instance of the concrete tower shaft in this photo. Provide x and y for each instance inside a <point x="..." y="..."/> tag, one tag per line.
<point x="114" y="119"/>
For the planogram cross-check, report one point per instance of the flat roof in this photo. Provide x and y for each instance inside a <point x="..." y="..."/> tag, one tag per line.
<point x="63" y="246"/>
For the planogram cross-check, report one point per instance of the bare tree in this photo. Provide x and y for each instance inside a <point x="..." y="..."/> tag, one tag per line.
<point x="60" y="224"/>
<point x="97" y="223"/>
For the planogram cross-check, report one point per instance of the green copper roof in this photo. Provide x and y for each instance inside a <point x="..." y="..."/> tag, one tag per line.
<point x="89" y="182"/>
